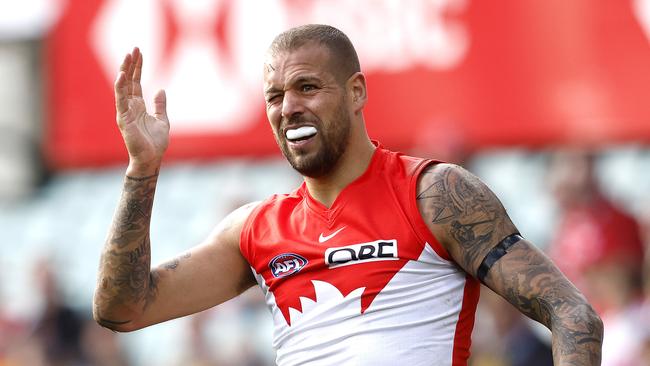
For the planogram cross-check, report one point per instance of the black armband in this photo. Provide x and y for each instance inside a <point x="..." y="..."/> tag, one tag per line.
<point x="495" y="254"/>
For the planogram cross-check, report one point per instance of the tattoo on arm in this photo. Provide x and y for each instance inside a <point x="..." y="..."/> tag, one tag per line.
<point x="124" y="273"/>
<point x="538" y="289"/>
<point x="173" y="264"/>
<point x="469" y="221"/>
<point x="469" y="215"/>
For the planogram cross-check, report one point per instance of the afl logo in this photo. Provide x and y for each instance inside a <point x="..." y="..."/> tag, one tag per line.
<point x="286" y="264"/>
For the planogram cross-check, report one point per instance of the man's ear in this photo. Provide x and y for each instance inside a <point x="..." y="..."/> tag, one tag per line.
<point x="357" y="91"/>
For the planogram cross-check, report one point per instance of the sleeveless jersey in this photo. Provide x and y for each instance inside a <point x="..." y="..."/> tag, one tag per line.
<point x="363" y="282"/>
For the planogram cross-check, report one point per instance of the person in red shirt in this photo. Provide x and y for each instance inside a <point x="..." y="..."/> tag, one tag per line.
<point x="375" y="259"/>
<point x="597" y="244"/>
<point x="599" y="247"/>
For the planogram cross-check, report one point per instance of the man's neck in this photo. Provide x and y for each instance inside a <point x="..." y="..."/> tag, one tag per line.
<point x="354" y="162"/>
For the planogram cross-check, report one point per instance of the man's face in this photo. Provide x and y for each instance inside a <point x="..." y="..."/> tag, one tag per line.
<point x="307" y="109"/>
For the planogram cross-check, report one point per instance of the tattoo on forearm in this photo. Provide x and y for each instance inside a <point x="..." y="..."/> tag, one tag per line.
<point x="577" y="331"/>
<point x="141" y="179"/>
<point x="134" y="211"/>
<point x="125" y="276"/>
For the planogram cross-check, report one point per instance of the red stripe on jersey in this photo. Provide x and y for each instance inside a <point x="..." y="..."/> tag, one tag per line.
<point x="465" y="325"/>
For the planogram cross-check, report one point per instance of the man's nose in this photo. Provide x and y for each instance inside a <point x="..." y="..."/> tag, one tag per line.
<point x="291" y="105"/>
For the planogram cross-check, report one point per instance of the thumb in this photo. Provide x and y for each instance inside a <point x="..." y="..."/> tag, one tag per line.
<point x="160" y="105"/>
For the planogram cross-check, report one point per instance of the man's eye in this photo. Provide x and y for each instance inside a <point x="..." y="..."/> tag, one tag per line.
<point x="273" y="98"/>
<point x="308" y="87"/>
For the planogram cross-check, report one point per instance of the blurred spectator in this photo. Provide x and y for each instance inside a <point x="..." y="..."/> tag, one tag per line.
<point x="59" y="335"/>
<point x="12" y="332"/>
<point x="226" y="335"/>
<point x="59" y="328"/>
<point x="503" y="336"/>
<point x="201" y="352"/>
<point x="100" y="346"/>
<point x="645" y="234"/>
<point x="630" y="332"/>
<point x="599" y="247"/>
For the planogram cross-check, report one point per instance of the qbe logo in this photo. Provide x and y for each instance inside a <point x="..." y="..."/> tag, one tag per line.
<point x="379" y="250"/>
<point x="286" y="264"/>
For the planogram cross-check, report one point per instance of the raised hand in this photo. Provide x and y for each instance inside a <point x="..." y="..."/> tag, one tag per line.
<point x="146" y="136"/>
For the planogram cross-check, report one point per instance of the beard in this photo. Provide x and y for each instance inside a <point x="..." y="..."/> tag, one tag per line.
<point x="334" y="140"/>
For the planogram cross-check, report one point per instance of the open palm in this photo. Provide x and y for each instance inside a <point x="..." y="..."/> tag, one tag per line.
<point x="146" y="135"/>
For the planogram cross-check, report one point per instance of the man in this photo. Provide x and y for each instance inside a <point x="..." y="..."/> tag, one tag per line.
<point x="375" y="259"/>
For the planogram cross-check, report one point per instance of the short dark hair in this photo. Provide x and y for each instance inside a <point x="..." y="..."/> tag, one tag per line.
<point x="343" y="57"/>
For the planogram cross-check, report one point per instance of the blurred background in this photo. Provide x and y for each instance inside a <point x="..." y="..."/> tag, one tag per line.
<point x="544" y="100"/>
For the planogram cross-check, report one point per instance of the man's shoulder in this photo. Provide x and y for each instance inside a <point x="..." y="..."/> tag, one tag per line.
<point x="441" y="180"/>
<point x="409" y="165"/>
<point x="274" y="202"/>
<point x="284" y="198"/>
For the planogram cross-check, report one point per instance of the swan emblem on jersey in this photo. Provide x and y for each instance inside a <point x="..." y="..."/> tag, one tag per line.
<point x="286" y="264"/>
<point x="327" y="297"/>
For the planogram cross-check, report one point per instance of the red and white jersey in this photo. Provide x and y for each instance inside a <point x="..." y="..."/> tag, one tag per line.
<point x="363" y="282"/>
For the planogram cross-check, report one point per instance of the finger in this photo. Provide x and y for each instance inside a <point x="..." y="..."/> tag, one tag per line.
<point x="160" y="105"/>
<point x="130" y="71"/>
<point x="126" y="62"/>
<point x="137" y="72"/>
<point x="121" y="100"/>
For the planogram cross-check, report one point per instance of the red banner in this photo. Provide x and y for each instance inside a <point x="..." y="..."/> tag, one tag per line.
<point x="485" y="73"/>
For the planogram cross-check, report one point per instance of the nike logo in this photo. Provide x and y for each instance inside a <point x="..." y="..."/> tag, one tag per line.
<point x="322" y="239"/>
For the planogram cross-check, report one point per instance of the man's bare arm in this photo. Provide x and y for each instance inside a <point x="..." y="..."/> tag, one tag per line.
<point x="130" y="296"/>
<point x="125" y="284"/>
<point x="469" y="221"/>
